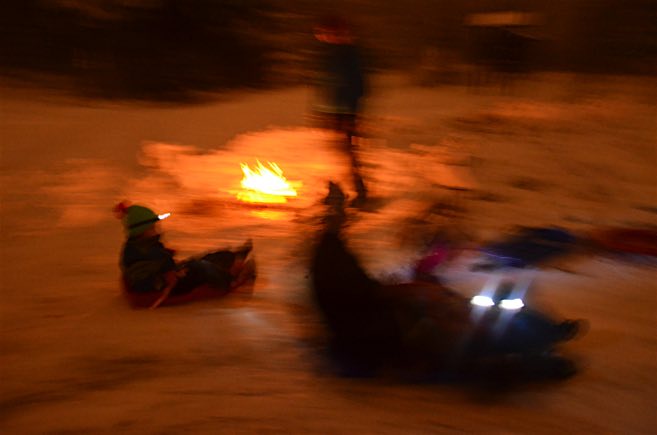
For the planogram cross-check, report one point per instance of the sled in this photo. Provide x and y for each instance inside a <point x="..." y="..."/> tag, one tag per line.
<point x="202" y="292"/>
<point x="146" y="300"/>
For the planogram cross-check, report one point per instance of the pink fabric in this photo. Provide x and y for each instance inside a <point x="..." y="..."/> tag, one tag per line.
<point x="429" y="262"/>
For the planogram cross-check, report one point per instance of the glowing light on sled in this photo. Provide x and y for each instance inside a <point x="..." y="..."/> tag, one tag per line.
<point x="266" y="185"/>
<point x="505" y="304"/>
<point x="163" y="216"/>
<point x="512" y="304"/>
<point x="482" y="301"/>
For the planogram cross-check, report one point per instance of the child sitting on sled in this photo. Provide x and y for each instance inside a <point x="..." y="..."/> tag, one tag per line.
<point x="148" y="266"/>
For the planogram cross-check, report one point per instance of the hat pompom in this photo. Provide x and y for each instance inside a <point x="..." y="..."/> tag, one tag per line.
<point x="121" y="209"/>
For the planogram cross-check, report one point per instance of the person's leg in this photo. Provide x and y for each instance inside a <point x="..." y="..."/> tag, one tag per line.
<point x="226" y="258"/>
<point x="243" y="272"/>
<point x="359" y="184"/>
<point x="203" y="272"/>
<point x="347" y="125"/>
<point x="192" y="277"/>
<point x="214" y="275"/>
<point x="222" y="259"/>
<point x="229" y="268"/>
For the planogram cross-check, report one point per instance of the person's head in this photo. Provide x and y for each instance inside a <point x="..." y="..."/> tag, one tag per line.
<point x="333" y="29"/>
<point x="139" y="221"/>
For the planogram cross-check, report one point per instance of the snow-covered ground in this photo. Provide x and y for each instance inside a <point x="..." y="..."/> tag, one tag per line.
<point x="578" y="152"/>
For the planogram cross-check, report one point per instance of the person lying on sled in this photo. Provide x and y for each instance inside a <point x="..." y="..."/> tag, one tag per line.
<point x="149" y="266"/>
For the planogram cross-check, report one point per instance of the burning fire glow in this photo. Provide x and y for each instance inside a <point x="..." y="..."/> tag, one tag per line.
<point x="266" y="185"/>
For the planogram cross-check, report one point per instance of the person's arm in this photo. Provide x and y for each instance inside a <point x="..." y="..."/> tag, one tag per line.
<point x="171" y="278"/>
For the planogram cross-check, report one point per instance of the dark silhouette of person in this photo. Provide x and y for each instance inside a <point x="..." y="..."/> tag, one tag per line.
<point x="340" y="84"/>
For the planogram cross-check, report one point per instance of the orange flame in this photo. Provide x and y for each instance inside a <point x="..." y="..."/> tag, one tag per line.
<point x="265" y="185"/>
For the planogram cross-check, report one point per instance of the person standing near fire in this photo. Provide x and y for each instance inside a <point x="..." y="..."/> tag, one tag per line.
<point x="340" y="86"/>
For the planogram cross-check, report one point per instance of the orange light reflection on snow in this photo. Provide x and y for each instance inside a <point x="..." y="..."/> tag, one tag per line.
<point x="271" y="215"/>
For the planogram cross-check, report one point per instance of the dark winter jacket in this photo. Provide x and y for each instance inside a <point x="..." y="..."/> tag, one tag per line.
<point x="341" y="82"/>
<point x="144" y="263"/>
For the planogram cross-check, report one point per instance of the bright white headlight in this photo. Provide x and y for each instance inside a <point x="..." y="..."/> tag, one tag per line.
<point x="482" y="301"/>
<point x="511" y="304"/>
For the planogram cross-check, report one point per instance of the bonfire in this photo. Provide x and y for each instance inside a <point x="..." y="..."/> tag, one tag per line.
<point x="266" y="185"/>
